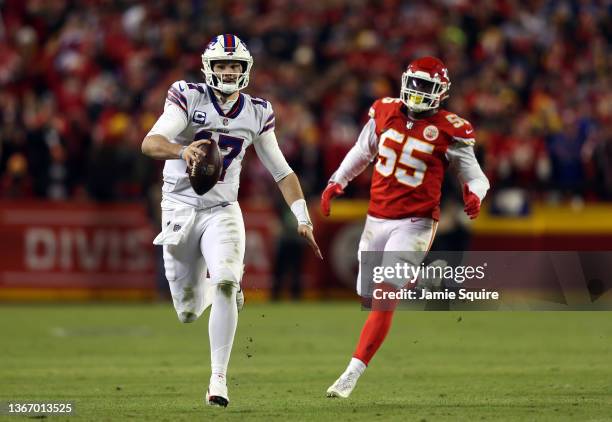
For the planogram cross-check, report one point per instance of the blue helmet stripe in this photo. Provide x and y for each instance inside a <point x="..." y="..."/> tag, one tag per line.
<point x="229" y="42"/>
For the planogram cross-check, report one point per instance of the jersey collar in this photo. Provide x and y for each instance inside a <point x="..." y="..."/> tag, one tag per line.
<point x="234" y="111"/>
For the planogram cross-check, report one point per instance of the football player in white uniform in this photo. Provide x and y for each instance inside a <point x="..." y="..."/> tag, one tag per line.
<point x="201" y="233"/>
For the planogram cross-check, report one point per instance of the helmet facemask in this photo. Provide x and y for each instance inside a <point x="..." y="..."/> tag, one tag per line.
<point x="420" y="92"/>
<point x="220" y="81"/>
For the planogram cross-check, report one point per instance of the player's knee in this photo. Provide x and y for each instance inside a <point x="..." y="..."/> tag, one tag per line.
<point x="230" y="273"/>
<point x="227" y="288"/>
<point x="187" y="317"/>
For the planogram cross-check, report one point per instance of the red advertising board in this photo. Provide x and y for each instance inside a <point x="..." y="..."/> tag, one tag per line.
<point x="260" y="223"/>
<point x="75" y="250"/>
<point x="54" y="250"/>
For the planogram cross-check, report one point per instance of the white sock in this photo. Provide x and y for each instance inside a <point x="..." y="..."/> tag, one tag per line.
<point x="221" y="329"/>
<point x="355" y="365"/>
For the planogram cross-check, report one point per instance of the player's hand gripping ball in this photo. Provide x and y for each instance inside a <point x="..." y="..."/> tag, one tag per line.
<point x="205" y="170"/>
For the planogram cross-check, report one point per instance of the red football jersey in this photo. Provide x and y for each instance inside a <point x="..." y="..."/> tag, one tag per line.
<point x="411" y="162"/>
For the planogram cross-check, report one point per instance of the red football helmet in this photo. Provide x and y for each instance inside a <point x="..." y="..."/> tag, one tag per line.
<point x="425" y="84"/>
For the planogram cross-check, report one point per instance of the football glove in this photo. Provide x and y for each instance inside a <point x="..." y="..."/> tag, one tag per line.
<point x="471" y="201"/>
<point x="332" y="190"/>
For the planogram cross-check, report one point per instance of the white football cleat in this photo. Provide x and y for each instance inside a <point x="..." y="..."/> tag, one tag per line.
<point x="240" y="299"/>
<point x="216" y="395"/>
<point x="343" y="387"/>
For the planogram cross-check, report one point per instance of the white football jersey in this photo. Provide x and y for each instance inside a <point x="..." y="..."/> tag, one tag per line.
<point x="234" y="131"/>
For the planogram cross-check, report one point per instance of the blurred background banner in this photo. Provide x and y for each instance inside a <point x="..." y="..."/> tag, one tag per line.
<point x="85" y="250"/>
<point x="55" y="250"/>
<point x="261" y="231"/>
<point x="81" y="83"/>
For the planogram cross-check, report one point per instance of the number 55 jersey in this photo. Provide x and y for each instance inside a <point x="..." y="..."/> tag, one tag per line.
<point x="191" y="113"/>
<point x="411" y="159"/>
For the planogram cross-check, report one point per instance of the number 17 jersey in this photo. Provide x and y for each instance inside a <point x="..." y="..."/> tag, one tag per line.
<point x="411" y="161"/>
<point x="234" y="130"/>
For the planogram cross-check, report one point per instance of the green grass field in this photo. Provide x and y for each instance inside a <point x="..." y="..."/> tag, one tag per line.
<point x="139" y="363"/>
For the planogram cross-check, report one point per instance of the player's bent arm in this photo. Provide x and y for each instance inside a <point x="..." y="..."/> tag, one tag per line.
<point x="160" y="148"/>
<point x="464" y="164"/>
<point x="359" y="157"/>
<point x="170" y="124"/>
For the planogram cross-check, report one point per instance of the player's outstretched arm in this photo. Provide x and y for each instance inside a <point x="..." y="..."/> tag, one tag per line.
<point x="353" y="164"/>
<point x="292" y="192"/>
<point x="272" y="158"/>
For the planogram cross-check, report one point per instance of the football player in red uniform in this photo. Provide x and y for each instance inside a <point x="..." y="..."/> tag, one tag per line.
<point x="414" y="141"/>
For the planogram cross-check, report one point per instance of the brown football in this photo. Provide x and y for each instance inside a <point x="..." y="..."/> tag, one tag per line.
<point x="204" y="174"/>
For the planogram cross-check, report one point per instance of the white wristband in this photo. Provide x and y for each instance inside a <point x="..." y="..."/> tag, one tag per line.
<point x="300" y="210"/>
<point x="181" y="152"/>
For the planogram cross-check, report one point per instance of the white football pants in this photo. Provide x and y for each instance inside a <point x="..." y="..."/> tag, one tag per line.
<point x="402" y="240"/>
<point x="213" y="241"/>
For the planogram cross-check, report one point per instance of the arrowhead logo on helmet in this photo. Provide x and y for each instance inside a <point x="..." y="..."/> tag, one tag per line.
<point x="226" y="47"/>
<point x="425" y="84"/>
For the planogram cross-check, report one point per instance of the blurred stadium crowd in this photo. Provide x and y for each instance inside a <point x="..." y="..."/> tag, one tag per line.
<point x="83" y="81"/>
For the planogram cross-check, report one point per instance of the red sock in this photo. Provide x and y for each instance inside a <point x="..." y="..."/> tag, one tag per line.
<point x="373" y="334"/>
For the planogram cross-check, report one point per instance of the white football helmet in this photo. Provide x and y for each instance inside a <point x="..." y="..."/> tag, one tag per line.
<point x="226" y="47"/>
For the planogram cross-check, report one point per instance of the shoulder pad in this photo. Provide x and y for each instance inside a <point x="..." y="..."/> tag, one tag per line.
<point x="384" y="106"/>
<point x="461" y="130"/>
<point x="177" y="94"/>
<point x="264" y="109"/>
<point x="261" y="102"/>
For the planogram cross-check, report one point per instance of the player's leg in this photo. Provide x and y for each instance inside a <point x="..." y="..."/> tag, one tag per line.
<point x="373" y="238"/>
<point x="208" y="289"/>
<point x="223" y="245"/>
<point x="185" y="271"/>
<point x="411" y="239"/>
<point x="408" y="242"/>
